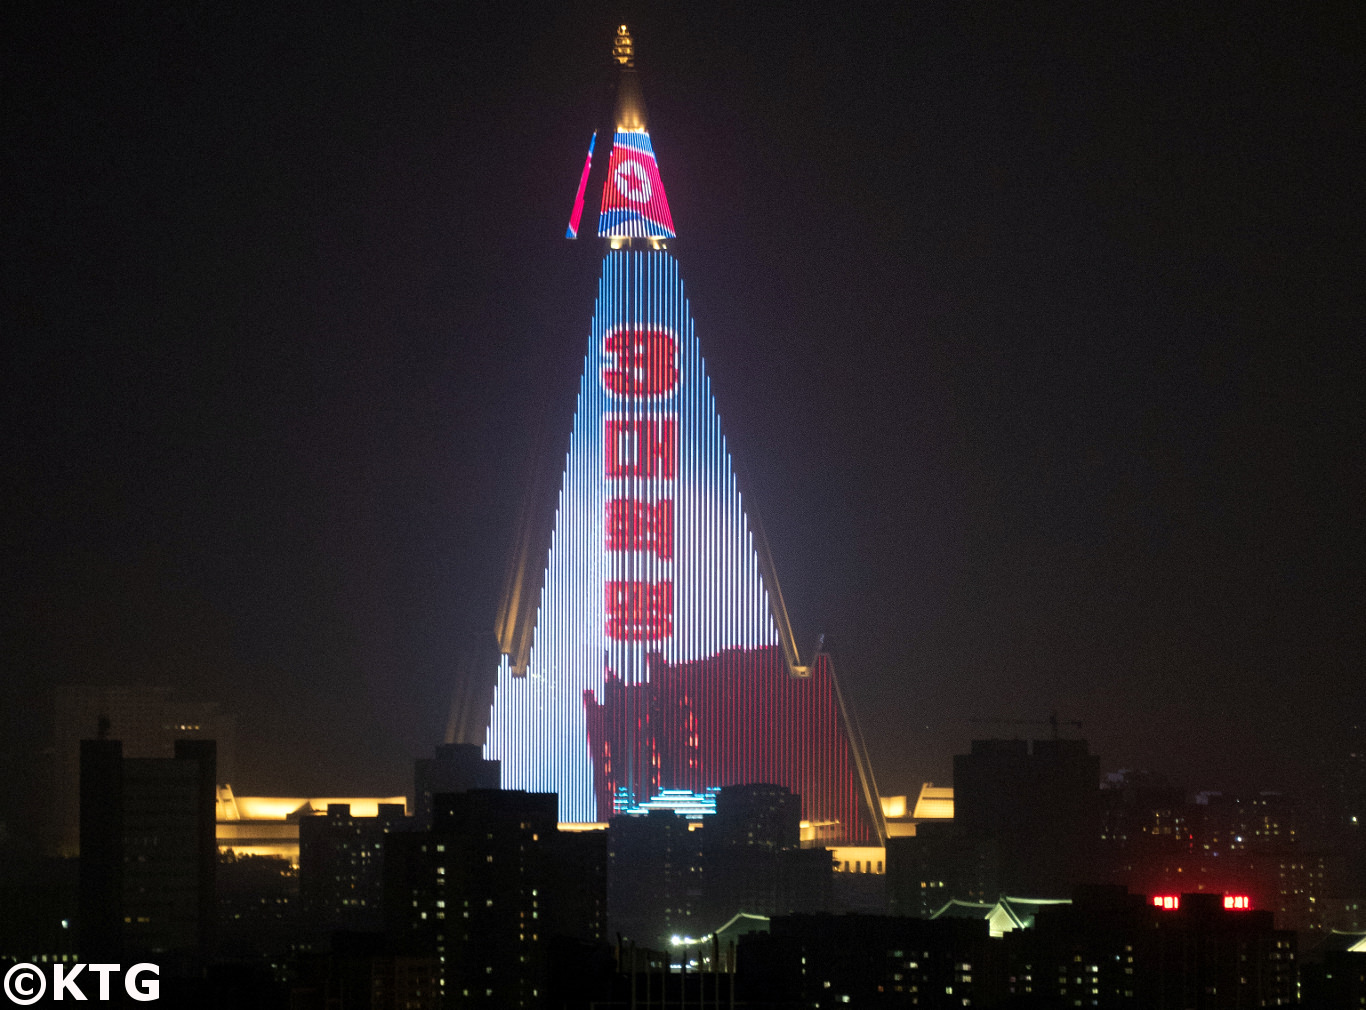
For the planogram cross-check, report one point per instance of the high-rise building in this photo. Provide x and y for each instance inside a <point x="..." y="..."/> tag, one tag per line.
<point x="1039" y="805"/>
<point x="1110" y="948"/>
<point x="487" y="888"/>
<point x="756" y="816"/>
<point x="456" y="768"/>
<point x="147" y="720"/>
<point x="148" y="854"/>
<point x="656" y="874"/>
<point x="753" y="862"/>
<point x="648" y="648"/>
<point x="341" y="862"/>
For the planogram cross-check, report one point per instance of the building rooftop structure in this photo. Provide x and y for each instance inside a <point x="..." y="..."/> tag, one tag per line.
<point x="146" y="719"/>
<point x="269" y="825"/>
<point x="1351" y="942"/>
<point x="1003" y="916"/>
<point x="933" y="803"/>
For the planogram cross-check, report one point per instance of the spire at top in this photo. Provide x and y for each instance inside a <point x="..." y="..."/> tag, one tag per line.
<point x="630" y="112"/>
<point x="633" y="202"/>
<point x="623" y="49"/>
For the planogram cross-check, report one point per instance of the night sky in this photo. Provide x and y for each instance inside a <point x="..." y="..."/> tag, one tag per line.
<point x="1036" y="336"/>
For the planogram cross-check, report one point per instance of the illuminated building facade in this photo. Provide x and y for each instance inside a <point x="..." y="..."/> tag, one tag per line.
<point x="269" y="825"/>
<point x="648" y="648"/>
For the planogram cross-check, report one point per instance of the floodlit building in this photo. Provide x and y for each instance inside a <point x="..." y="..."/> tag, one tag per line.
<point x="935" y="803"/>
<point x="1005" y="915"/>
<point x="645" y="644"/>
<point x="269" y="825"/>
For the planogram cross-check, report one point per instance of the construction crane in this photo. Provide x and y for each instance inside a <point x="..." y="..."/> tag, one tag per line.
<point x="1052" y="721"/>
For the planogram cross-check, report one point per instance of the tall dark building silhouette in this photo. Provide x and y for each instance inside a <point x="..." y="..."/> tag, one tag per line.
<point x="455" y="768"/>
<point x="645" y="644"/>
<point x="341" y="864"/>
<point x="100" y="822"/>
<point x="754" y="862"/>
<point x="146" y="720"/>
<point x="656" y="878"/>
<point x="1040" y="808"/>
<point x="487" y="888"/>
<point x="1109" y="948"/>
<point x="755" y="816"/>
<point x="937" y="863"/>
<point x="148" y="853"/>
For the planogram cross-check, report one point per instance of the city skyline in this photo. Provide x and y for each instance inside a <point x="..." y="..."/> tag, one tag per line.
<point x="1034" y="343"/>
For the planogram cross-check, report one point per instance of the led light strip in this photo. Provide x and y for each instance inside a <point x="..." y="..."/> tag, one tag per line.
<point x="633" y="200"/>
<point x="655" y="662"/>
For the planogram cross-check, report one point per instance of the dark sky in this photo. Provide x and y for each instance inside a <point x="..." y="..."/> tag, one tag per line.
<point x="1036" y="334"/>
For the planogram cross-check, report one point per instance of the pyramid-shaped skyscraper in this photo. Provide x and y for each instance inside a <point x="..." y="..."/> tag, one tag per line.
<point x="647" y="655"/>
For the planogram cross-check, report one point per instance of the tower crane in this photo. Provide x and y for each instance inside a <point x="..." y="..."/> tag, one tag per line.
<point x="1052" y="721"/>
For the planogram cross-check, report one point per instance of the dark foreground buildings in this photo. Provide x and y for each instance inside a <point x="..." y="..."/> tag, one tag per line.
<point x="487" y="887"/>
<point x="1037" y="806"/>
<point x="148" y="854"/>
<point x="1107" y="949"/>
<point x="1026" y="823"/>
<point x="669" y="876"/>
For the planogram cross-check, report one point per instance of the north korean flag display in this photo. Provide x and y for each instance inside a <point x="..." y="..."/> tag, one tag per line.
<point x="633" y="200"/>
<point x="573" y="230"/>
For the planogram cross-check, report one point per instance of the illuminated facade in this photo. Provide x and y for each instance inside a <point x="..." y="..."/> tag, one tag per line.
<point x="656" y="655"/>
<point x="269" y="825"/>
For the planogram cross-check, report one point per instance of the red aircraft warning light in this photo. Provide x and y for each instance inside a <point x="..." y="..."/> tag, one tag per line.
<point x="1232" y="902"/>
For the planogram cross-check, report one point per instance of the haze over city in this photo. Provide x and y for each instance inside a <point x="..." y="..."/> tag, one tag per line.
<point x="1035" y="337"/>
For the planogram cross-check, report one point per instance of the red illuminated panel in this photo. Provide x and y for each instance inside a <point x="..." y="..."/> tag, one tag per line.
<point x="640" y="362"/>
<point x="573" y="230"/>
<point x="1237" y="902"/>
<point x="633" y="201"/>
<point x="1167" y="902"/>
<point x="641" y="526"/>
<point x="643" y="447"/>
<point x="640" y="611"/>
<point x="734" y="718"/>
